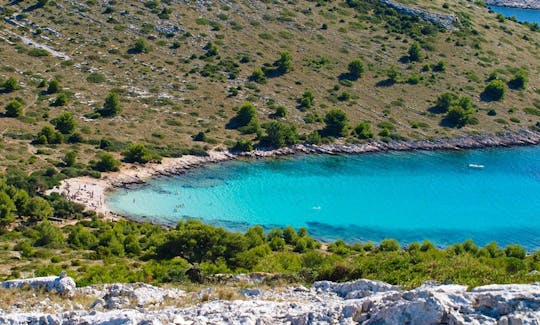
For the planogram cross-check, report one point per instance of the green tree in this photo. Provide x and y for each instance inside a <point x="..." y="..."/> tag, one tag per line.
<point x="54" y="87"/>
<point x="246" y="120"/>
<point x="336" y="123"/>
<point x="280" y="112"/>
<point x="306" y="101"/>
<point x="389" y="245"/>
<point x="49" y="235"/>
<point x="415" y="52"/>
<point x="515" y="251"/>
<point x="393" y="74"/>
<point x="14" y="108"/>
<point x="81" y="238"/>
<point x="458" y="116"/>
<point x="38" y="209"/>
<point x="519" y="80"/>
<point x="494" y="90"/>
<point x="106" y="163"/>
<point x="47" y="135"/>
<point x="280" y="134"/>
<point x="363" y="130"/>
<point x="444" y="101"/>
<point x="258" y="76"/>
<point x="356" y="69"/>
<point x="7" y="209"/>
<point x="111" y="107"/>
<point x="138" y="153"/>
<point x="70" y="158"/>
<point x="11" y="84"/>
<point x="211" y="50"/>
<point x="284" y="63"/>
<point x="65" y="123"/>
<point x="61" y="100"/>
<point x="140" y="46"/>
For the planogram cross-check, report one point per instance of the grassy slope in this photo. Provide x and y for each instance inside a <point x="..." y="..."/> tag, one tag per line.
<point x="165" y="100"/>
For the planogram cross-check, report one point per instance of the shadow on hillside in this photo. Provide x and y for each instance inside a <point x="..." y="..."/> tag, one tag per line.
<point x="385" y="83"/>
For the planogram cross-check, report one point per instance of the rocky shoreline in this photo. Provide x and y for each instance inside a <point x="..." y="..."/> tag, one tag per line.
<point x="92" y="192"/>
<point x="356" y="302"/>
<point x="522" y="4"/>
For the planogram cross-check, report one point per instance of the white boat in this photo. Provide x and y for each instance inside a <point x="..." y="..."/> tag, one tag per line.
<point x="476" y="166"/>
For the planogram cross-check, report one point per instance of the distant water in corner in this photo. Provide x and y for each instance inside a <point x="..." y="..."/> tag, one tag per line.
<point x="524" y="15"/>
<point x="410" y="196"/>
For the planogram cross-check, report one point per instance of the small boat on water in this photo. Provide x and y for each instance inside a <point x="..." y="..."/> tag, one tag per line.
<point x="476" y="166"/>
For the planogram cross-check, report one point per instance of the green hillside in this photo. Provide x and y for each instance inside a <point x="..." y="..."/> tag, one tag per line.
<point x="180" y="69"/>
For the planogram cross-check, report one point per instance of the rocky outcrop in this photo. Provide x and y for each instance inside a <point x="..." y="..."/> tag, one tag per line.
<point x="61" y="284"/>
<point x="524" y="4"/>
<point x="361" y="301"/>
<point x="447" y="21"/>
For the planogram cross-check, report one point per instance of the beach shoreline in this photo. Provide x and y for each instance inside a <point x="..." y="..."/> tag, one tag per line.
<point x="92" y="192"/>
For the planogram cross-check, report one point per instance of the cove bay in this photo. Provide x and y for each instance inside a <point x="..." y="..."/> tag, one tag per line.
<point x="442" y="196"/>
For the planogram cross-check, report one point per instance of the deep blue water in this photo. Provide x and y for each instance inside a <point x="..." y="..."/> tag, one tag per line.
<point x="410" y="196"/>
<point x="524" y="15"/>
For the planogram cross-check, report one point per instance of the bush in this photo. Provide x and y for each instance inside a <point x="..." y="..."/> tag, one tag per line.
<point x="280" y="134"/>
<point x="356" y="69"/>
<point x="106" y="163"/>
<point x="111" y="107"/>
<point x="444" y="101"/>
<point x="47" y="135"/>
<point x="61" y="100"/>
<point x="246" y="119"/>
<point x="494" y="90"/>
<point x="415" y="52"/>
<point x="65" y="123"/>
<point x="515" y="251"/>
<point x="138" y="153"/>
<point x="389" y="245"/>
<point x="11" y="84"/>
<point x="519" y="80"/>
<point x="336" y="123"/>
<point x="14" y="108"/>
<point x="258" y="76"/>
<point x="363" y="130"/>
<point x="306" y="101"/>
<point x="54" y="87"/>
<point x="242" y="145"/>
<point x="140" y="46"/>
<point x="440" y="66"/>
<point x="38" y="209"/>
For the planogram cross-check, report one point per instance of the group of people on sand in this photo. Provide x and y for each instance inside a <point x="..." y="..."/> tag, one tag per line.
<point x="83" y="194"/>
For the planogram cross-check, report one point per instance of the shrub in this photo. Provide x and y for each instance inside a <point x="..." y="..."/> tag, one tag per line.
<point x="64" y="123"/>
<point x="494" y="90"/>
<point x="38" y="209"/>
<point x="336" y="123"/>
<point x="519" y="80"/>
<point x="11" y="84"/>
<point x="258" y="76"/>
<point x="284" y="63"/>
<point x="444" y="101"/>
<point x="515" y="251"/>
<point x="47" y="135"/>
<point x="246" y="120"/>
<point x="61" y="100"/>
<point x="363" y="130"/>
<point x="106" y="163"/>
<point x="111" y="107"/>
<point x="280" y="134"/>
<point x="356" y="69"/>
<point x="140" y="46"/>
<point x="70" y="158"/>
<point x="14" y="108"/>
<point x="415" y="52"/>
<point x="439" y="67"/>
<point x="242" y="145"/>
<point x="139" y="153"/>
<point x="306" y="101"/>
<point x="54" y="87"/>
<point x="389" y="245"/>
<point x="281" y="111"/>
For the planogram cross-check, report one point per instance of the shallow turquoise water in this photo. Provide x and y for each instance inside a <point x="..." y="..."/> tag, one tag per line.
<point x="410" y="196"/>
<point x="526" y="15"/>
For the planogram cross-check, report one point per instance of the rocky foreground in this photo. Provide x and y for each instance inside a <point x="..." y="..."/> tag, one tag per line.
<point x="361" y="301"/>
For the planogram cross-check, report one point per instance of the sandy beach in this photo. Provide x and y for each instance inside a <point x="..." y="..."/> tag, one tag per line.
<point x="92" y="192"/>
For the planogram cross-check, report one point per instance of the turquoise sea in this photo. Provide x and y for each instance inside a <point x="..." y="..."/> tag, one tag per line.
<point x="525" y="15"/>
<point x="410" y="196"/>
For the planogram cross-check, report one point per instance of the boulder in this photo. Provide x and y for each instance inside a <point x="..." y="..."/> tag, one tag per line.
<point x="61" y="284"/>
